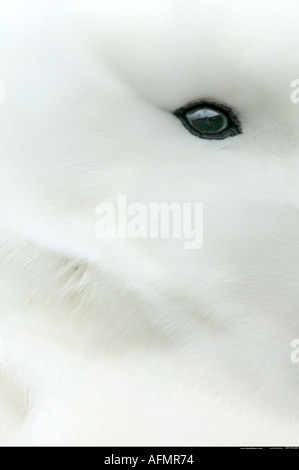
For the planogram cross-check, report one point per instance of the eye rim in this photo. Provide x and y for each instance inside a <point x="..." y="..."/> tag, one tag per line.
<point x="234" y="128"/>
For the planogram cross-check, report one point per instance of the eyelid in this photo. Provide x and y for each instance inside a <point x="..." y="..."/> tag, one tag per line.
<point x="203" y="102"/>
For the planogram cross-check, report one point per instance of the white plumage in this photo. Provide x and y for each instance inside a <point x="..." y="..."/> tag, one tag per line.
<point x="140" y="342"/>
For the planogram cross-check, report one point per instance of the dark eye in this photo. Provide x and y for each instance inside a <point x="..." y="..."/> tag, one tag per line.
<point x="209" y="120"/>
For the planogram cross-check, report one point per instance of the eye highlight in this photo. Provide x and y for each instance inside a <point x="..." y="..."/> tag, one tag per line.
<point x="209" y="120"/>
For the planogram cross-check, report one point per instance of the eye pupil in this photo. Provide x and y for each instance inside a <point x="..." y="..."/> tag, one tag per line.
<point x="207" y="120"/>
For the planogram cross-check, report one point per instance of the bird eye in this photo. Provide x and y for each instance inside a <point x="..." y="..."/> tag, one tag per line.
<point x="209" y="120"/>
